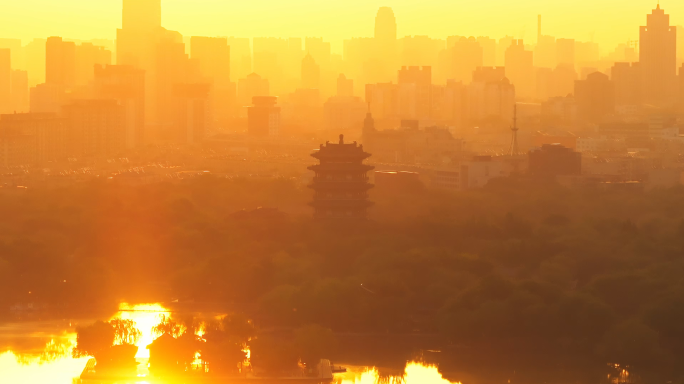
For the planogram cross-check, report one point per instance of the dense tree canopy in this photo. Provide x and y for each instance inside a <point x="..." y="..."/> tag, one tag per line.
<point x="518" y="263"/>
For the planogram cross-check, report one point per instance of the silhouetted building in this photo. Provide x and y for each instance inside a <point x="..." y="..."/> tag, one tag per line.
<point x="263" y="117"/>
<point x="565" y="52"/>
<point x="595" y="97"/>
<point x="5" y="80"/>
<point x="341" y="181"/>
<point x="60" y="62"/>
<point x="311" y="73"/>
<point x="126" y="85"/>
<point x="48" y="98"/>
<point x="658" y="58"/>
<point x="627" y="80"/>
<point x="31" y="138"/>
<point x="251" y="86"/>
<point x="409" y="144"/>
<point x="553" y="160"/>
<point x="142" y="15"/>
<point x="520" y="69"/>
<point x="20" y="91"/>
<point x="88" y="56"/>
<point x="213" y="57"/>
<point x="383" y="51"/>
<point x="193" y="112"/>
<point x="96" y="128"/>
<point x="345" y="87"/>
<point x="344" y="112"/>
<point x="467" y="56"/>
<point x="415" y="93"/>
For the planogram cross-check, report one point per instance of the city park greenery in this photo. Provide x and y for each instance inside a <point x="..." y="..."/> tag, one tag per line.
<point x="519" y="266"/>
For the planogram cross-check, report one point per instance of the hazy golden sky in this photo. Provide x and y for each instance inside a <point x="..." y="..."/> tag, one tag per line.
<point x="610" y="21"/>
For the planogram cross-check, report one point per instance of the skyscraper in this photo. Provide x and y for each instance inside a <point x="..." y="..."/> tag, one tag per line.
<point x="126" y="85"/>
<point x="60" y="62"/>
<point x="658" y="58"/>
<point x="386" y="26"/>
<point x="520" y="68"/>
<point x="311" y="73"/>
<point x="384" y="59"/>
<point x="5" y="80"/>
<point x="141" y="15"/>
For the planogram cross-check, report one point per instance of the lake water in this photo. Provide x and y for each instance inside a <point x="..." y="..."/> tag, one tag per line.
<point x="39" y="352"/>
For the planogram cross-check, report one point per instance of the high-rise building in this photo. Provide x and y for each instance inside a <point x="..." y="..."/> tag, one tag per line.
<point x="213" y="54"/>
<point x="142" y="15"/>
<point x="250" y="86"/>
<point x="30" y="138"/>
<point x="488" y="51"/>
<point x="311" y="73"/>
<point x="627" y="80"/>
<point x="319" y="50"/>
<point x="95" y="128"/>
<point x="467" y="55"/>
<point x="385" y="25"/>
<point x="47" y="98"/>
<point x="87" y="57"/>
<point x="565" y="52"/>
<point x="384" y="55"/>
<point x="240" y="57"/>
<point x="345" y="87"/>
<point x="263" y="117"/>
<point x="193" y="112"/>
<point x="5" y="80"/>
<point x="415" y="93"/>
<point x="520" y="69"/>
<point x="658" y="58"/>
<point x="60" y="62"/>
<point x="126" y="85"/>
<point x="595" y="97"/>
<point x="20" y="91"/>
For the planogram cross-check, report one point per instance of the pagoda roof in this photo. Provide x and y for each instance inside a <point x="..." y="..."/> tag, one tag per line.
<point x="340" y="150"/>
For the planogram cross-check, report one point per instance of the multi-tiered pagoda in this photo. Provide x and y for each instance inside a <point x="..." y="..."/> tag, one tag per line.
<point x="341" y="181"/>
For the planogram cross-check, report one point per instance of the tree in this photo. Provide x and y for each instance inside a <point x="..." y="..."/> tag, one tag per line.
<point x="631" y="343"/>
<point x="273" y="356"/>
<point x="94" y="339"/>
<point x="314" y="343"/>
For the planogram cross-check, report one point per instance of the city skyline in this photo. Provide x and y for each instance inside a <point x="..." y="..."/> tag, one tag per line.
<point x="606" y="22"/>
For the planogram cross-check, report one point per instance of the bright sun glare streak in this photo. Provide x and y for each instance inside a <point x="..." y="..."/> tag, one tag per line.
<point x="145" y="316"/>
<point x="415" y="373"/>
<point x="32" y="371"/>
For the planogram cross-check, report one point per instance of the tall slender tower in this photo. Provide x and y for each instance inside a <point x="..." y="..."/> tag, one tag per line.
<point x="658" y="58"/>
<point x="513" y="151"/>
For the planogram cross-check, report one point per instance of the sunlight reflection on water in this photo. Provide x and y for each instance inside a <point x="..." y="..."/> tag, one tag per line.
<point x="53" y="364"/>
<point x="415" y="373"/>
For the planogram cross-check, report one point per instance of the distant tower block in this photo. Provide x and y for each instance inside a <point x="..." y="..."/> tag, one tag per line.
<point x="341" y="182"/>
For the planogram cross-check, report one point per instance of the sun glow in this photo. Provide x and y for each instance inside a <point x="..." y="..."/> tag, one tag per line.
<point x="16" y="369"/>
<point x="146" y="317"/>
<point x="415" y="373"/>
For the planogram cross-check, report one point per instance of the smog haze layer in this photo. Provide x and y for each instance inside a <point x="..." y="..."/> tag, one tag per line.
<point x="607" y="22"/>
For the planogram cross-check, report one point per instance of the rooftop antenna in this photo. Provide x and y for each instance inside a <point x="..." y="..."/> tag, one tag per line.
<point x="513" y="151"/>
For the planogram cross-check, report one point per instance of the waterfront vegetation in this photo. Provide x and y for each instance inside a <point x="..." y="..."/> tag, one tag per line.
<point x="522" y="267"/>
